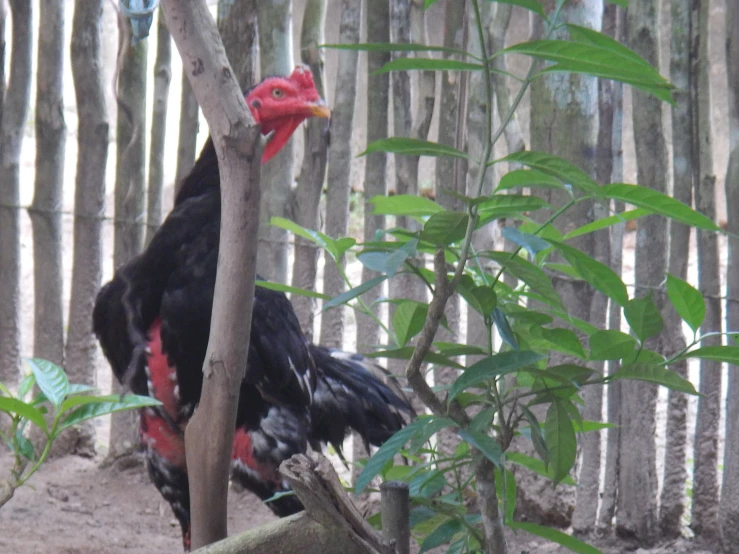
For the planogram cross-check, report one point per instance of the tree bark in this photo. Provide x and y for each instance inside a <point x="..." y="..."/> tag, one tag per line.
<point x="162" y="77"/>
<point x="378" y="30"/>
<point x="188" y="130"/>
<point x="637" y="491"/>
<point x="47" y="200"/>
<point x="339" y="165"/>
<point x="275" y="51"/>
<point x="705" y="473"/>
<point x="408" y="121"/>
<point x="613" y="25"/>
<point x="238" y="27"/>
<point x="564" y="122"/>
<point x="588" y="491"/>
<point x="130" y="193"/>
<point x="209" y="434"/>
<point x="729" y="506"/>
<point x="313" y="172"/>
<point x="14" y="111"/>
<point x="378" y="98"/>
<point x="672" y="498"/>
<point x="89" y="199"/>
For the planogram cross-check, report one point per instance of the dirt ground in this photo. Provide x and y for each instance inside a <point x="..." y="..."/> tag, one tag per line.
<point x="75" y="506"/>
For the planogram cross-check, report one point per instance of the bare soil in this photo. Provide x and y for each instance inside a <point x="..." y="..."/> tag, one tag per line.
<point x="75" y="506"/>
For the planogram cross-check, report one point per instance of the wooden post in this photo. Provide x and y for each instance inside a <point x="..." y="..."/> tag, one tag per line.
<point x="395" y="507"/>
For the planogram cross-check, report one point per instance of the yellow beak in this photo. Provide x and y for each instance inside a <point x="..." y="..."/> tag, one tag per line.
<point x="320" y="110"/>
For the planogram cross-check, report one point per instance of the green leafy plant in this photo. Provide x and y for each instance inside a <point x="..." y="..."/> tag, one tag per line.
<point x="513" y="390"/>
<point x="57" y="406"/>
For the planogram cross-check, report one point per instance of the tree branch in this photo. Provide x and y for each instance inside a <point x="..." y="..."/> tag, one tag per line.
<point x="237" y="140"/>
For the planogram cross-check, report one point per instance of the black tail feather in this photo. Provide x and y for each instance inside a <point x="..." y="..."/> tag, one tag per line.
<point x="354" y="393"/>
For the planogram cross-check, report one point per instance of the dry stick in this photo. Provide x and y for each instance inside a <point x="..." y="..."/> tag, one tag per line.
<point x="209" y="434"/>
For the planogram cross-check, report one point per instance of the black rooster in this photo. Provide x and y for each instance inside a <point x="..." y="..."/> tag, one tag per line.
<point x="153" y="322"/>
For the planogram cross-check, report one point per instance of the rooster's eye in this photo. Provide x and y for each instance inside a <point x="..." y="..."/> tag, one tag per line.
<point x="277" y="93"/>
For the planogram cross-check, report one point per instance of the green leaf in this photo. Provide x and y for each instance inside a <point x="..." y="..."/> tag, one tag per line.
<point x="487" y="445"/>
<point x="505" y="484"/>
<point x="428" y="64"/>
<point x="596" y="38"/>
<point x="351" y="294"/>
<point x="421" y="426"/>
<point x="653" y="373"/>
<point x="728" y="354"/>
<point x="404" y="204"/>
<point x="644" y="317"/>
<point x="388" y="262"/>
<point x="599" y="60"/>
<point x="535" y="465"/>
<point x="481" y="298"/>
<point x="408" y="320"/>
<point x="554" y="167"/>
<point x="531" y="243"/>
<point x="25" y="446"/>
<point x="527" y="178"/>
<point x="604" y="222"/>
<point x="622" y="3"/>
<point x="611" y="345"/>
<point x="556" y="536"/>
<point x="51" y="379"/>
<point x="444" y="228"/>
<point x="25" y="386"/>
<point x="406" y="352"/>
<point x="536" y="435"/>
<point x="443" y="534"/>
<point x="535" y="278"/>
<point x="510" y="203"/>
<point x="289" y="289"/>
<point x="504" y="328"/>
<point x="76" y="388"/>
<point x="74" y="401"/>
<point x="14" y="406"/>
<point x="658" y="203"/>
<point x="531" y="5"/>
<point x="687" y="301"/>
<point x="560" y="439"/>
<point x="335" y="248"/>
<point x="92" y="410"/>
<point x="599" y="275"/>
<point x="413" y="147"/>
<point x="491" y="367"/>
<point x="562" y="340"/>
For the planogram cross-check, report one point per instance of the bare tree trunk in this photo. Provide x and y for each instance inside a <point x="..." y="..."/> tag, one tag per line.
<point x="275" y="50"/>
<point x="162" y="77"/>
<point x="14" y="111"/>
<point x="130" y="191"/>
<point x="672" y="498"/>
<point x="47" y="200"/>
<point x="408" y="121"/>
<point x="238" y="27"/>
<point x="637" y="491"/>
<point x="729" y="507"/>
<point x="89" y="203"/>
<point x="209" y="434"/>
<point x="313" y="172"/>
<point x="339" y="164"/>
<point x="378" y="30"/>
<point x="188" y="135"/>
<point x="584" y="517"/>
<point x="613" y="25"/>
<point x="568" y="129"/>
<point x="705" y="474"/>
<point x="378" y="97"/>
<point x="451" y="176"/>
<point x="452" y="112"/>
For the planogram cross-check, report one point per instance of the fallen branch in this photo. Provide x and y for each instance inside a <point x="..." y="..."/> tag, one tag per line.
<point x="331" y="523"/>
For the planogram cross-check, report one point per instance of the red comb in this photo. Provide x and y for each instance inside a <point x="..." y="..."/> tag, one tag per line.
<point x="303" y="77"/>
